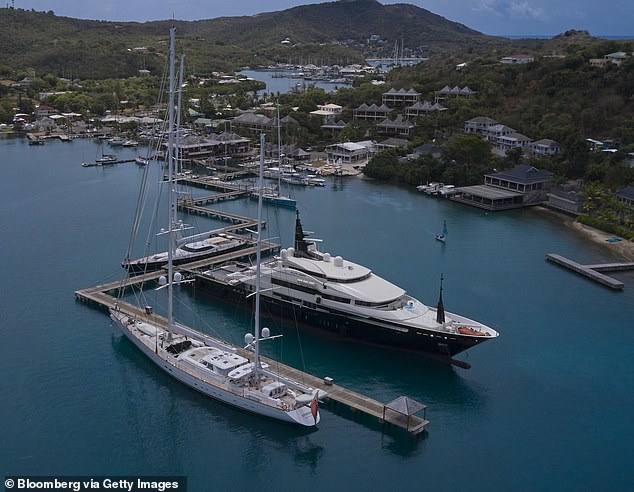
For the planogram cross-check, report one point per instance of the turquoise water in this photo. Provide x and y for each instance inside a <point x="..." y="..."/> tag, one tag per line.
<point x="547" y="406"/>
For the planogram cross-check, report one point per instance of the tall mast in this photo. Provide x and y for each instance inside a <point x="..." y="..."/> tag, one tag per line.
<point x="170" y="183"/>
<point x="279" y="151"/>
<point x="440" y="308"/>
<point x="258" y="254"/>
<point x="178" y="114"/>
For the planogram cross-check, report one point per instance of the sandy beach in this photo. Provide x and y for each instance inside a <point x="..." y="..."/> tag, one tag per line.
<point x="623" y="248"/>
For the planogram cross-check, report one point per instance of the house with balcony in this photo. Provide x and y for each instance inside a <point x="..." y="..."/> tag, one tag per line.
<point x="423" y="109"/>
<point x="521" y="186"/>
<point x="544" y="147"/>
<point x="478" y="125"/>
<point x="350" y="152"/>
<point x="251" y="123"/>
<point x="371" y="112"/>
<point x="328" y="112"/>
<point x="400" y="97"/>
<point x="398" y="126"/>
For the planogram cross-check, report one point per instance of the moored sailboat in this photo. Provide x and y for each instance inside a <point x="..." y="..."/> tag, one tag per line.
<point x="228" y="374"/>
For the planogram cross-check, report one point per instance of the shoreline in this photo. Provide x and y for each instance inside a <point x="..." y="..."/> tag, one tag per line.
<point x="623" y="248"/>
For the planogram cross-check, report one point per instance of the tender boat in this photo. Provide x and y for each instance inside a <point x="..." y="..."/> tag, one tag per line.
<point x="202" y="248"/>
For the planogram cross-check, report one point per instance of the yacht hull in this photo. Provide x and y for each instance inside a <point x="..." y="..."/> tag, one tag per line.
<point x="137" y="266"/>
<point x="170" y="365"/>
<point x="363" y="329"/>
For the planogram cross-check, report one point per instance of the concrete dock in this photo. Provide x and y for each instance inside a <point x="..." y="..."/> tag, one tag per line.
<point x="593" y="271"/>
<point x="104" y="297"/>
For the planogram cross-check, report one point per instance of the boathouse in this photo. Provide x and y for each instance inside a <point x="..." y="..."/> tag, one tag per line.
<point x="521" y="186"/>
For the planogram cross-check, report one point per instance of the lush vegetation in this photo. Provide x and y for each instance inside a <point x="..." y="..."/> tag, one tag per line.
<point x="328" y="33"/>
<point x="93" y="67"/>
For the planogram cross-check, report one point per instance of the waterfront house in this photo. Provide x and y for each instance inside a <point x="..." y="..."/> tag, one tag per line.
<point x="43" y="110"/>
<point x="521" y="186"/>
<point x="350" y="152"/>
<point x="226" y="144"/>
<point x="566" y="199"/>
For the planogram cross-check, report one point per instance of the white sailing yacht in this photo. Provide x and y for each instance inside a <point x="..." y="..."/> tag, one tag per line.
<point x="274" y="195"/>
<point x="231" y="375"/>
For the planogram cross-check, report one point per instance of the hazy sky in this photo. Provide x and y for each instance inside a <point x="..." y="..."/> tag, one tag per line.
<point x="497" y="17"/>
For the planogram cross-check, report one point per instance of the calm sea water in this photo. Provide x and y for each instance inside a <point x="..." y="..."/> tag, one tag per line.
<point x="281" y="81"/>
<point x="547" y="406"/>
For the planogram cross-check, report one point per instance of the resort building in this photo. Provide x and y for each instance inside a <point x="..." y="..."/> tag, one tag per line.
<point x="400" y="97"/>
<point x="372" y="112"/>
<point x="446" y="92"/>
<point x="422" y="109"/>
<point x="251" y="123"/>
<point x="350" y="152"/>
<point x="521" y="186"/>
<point x="224" y="144"/>
<point x="398" y="126"/>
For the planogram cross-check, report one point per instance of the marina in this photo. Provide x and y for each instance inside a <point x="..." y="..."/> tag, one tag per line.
<point x="100" y="296"/>
<point x="86" y="385"/>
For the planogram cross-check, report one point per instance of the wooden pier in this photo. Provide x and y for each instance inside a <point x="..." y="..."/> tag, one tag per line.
<point x="101" y="296"/>
<point x="593" y="271"/>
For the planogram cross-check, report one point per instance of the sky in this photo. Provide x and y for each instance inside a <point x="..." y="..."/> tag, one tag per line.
<point x="495" y="17"/>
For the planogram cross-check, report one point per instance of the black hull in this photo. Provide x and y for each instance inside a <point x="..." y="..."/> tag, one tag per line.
<point x="376" y="332"/>
<point x="152" y="266"/>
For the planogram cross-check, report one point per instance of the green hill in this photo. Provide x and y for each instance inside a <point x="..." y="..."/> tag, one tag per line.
<point x="330" y="32"/>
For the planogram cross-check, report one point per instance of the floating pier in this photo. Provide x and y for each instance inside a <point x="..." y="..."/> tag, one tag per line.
<point x="593" y="271"/>
<point x="101" y="296"/>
